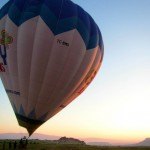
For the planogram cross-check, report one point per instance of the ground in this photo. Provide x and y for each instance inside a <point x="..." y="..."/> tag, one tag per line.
<point x="46" y="145"/>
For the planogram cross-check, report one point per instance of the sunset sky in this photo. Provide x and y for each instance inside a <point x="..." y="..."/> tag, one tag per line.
<point x="116" y="106"/>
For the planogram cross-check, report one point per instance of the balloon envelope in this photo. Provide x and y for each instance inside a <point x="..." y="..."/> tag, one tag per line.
<point x="50" y="51"/>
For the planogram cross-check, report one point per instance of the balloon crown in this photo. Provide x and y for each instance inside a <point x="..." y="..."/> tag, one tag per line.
<point x="6" y="39"/>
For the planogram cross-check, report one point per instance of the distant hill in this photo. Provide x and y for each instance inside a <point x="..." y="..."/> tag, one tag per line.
<point x="145" y="142"/>
<point x="34" y="136"/>
<point x="56" y="139"/>
<point x="45" y="137"/>
<point x="65" y="140"/>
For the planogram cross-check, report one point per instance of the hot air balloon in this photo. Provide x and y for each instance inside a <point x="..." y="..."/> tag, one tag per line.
<point x="50" y="51"/>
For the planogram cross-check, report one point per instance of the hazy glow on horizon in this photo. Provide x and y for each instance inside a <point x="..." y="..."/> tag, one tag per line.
<point x="116" y="105"/>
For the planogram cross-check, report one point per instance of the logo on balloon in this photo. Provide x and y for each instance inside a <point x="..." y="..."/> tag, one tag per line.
<point x="61" y="42"/>
<point x="2" y="68"/>
<point x="87" y="80"/>
<point x="5" y="41"/>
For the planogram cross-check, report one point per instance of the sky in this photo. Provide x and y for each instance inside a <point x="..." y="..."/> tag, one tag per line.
<point x="116" y="105"/>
